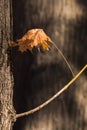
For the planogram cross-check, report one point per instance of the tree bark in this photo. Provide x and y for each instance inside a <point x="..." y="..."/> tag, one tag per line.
<point x="6" y="78"/>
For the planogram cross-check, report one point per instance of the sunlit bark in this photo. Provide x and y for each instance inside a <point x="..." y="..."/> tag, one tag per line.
<point x="6" y="79"/>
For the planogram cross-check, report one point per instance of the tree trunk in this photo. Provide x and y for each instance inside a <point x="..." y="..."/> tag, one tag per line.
<point x="6" y="79"/>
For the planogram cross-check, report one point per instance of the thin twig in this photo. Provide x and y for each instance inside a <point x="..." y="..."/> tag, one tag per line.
<point x="53" y="97"/>
<point x="63" y="57"/>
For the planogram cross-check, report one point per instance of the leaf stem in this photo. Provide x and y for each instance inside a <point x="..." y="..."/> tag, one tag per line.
<point x="63" y="57"/>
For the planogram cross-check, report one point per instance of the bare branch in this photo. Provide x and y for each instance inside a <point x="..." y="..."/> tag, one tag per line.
<point x="54" y="97"/>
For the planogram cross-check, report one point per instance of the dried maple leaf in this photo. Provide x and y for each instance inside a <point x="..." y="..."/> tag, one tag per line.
<point x="33" y="38"/>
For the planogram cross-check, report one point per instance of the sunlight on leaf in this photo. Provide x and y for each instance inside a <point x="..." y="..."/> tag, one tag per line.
<point x="33" y="38"/>
<point x="37" y="38"/>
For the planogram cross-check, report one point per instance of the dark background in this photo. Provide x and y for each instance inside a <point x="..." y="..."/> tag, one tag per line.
<point x="39" y="75"/>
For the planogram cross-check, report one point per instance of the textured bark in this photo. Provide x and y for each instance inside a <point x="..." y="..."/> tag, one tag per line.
<point x="6" y="79"/>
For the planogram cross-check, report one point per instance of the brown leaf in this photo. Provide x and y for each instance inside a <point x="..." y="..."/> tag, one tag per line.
<point x="13" y="44"/>
<point x="33" y="38"/>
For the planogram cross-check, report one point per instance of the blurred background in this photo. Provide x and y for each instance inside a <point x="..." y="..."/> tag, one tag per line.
<point x="40" y="75"/>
